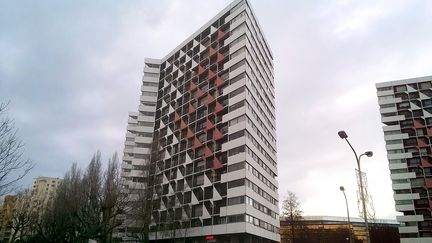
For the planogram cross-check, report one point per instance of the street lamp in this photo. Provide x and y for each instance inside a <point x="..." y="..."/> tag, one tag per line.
<point x="343" y="135"/>
<point x="349" y="221"/>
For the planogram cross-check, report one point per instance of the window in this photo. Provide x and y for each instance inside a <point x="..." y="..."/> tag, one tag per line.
<point x="199" y="180"/>
<point x="187" y="197"/>
<point x="148" y="93"/>
<point x="151" y="75"/>
<point x="237" y="78"/>
<point x="384" y="88"/>
<point x="417" y="113"/>
<point x="236" y="218"/>
<point x="150" y="84"/>
<point x="427" y="103"/>
<point x="417" y="182"/>
<point x="142" y="156"/>
<point x="237" y="92"/>
<point x="233" y="43"/>
<point x="236" y="200"/>
<point x="236" y="183"/>
<point x="236" y="106"/>
<point x="146" y="124"/>
<point x="391" y="132"/>
<point x="237" y="150"/>
<point x="387" y="106"/>
<point x="152" y="65"/>
<point x="404" y="105"/>
<point x="400" y="88"/>
<point x="148" y="103"/>
<point x="385" y="97"/>
<point x="145" y="134"/>
<point x="147" y="113"/>
<point x="199" y="166"/>
<point x="208" y="192"/>
<point x="419" y="132"/>
<point x="425" y="85"/>
<point x="238" y="52"/>
<point x="237" y="120"/>
<point x="237" y="65"/>
<point x="237" y="135"/>
<point x="237" y="166"/>
<point x="197" y="210"/>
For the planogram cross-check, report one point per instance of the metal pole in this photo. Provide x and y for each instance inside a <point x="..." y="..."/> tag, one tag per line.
<point x="362" y="197"/>
<point x="349" y="221"/>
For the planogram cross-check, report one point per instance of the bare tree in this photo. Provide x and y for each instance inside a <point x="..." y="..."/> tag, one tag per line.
<point x="91" y="190"/>
<point x="139" y="214"/>
<point x="59" y="223"/>
<point x="24" y="216"/>
<point x="13" y="165"/>
<point x="113" y="202"/>
<point x="292" y="214"/>
<point x="86" y="205"/>
<point x="145" y="200"/>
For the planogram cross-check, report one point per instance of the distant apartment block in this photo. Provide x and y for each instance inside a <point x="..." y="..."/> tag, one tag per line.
<point x="43" y="191"/>
<point x="203" y="142"/>
<point x="406" y="111"/>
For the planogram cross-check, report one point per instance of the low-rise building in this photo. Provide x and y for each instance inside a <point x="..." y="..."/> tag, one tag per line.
<point x="329" y="229"/>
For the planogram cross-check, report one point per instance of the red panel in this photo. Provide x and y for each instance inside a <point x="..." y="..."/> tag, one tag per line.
<point x="200" y="69"/>
<point x="182" y="124"/>
<point x="429" y="132"/>
<point x="421" y="143"/>
<point x="208" y="152"/>
<point x="418" y="124"/>
<point x="219" y="82"/>
<point x="199" y="93"/>
<point x="191" y="109"/>
<point x="189" y="133"/>
<point x="210" y="74"/>
<point x="210" y="99"/>
<point x="209" y="125"/>
<point x="428" y="183"/>
<point x="217" y="134"/>
<point x="218" y="107"/>
<point x="197" y="143"/>
<point x="220" y="34"/>
<point x="192" y="86"/>
<point x="176" y="116"/>
<point x="211" y="52"/>
<point x="425" y="163"/>
<point x="217" y="164"/>
<point x="219" y="58"/>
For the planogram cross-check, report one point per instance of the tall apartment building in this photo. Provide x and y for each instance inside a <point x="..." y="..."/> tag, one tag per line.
<point x="203" y="142"/>
<point x="406" y="111"/>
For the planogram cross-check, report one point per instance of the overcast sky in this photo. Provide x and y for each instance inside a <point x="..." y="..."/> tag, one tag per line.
<point x="72" y="71"/>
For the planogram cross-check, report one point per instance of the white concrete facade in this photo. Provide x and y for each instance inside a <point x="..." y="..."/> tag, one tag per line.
<point x="138" y="143"/>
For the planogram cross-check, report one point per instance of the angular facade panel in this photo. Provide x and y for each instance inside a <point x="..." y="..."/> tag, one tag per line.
<point x="212" y="171"/>
<point x="406" y="111"/>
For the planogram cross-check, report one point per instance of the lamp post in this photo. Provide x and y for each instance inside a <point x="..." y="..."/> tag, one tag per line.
<point x="343" y="135"/>
<point x="349" y="221"/>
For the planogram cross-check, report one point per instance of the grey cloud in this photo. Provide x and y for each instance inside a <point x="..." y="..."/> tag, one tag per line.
<point x="73" y="70"/>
